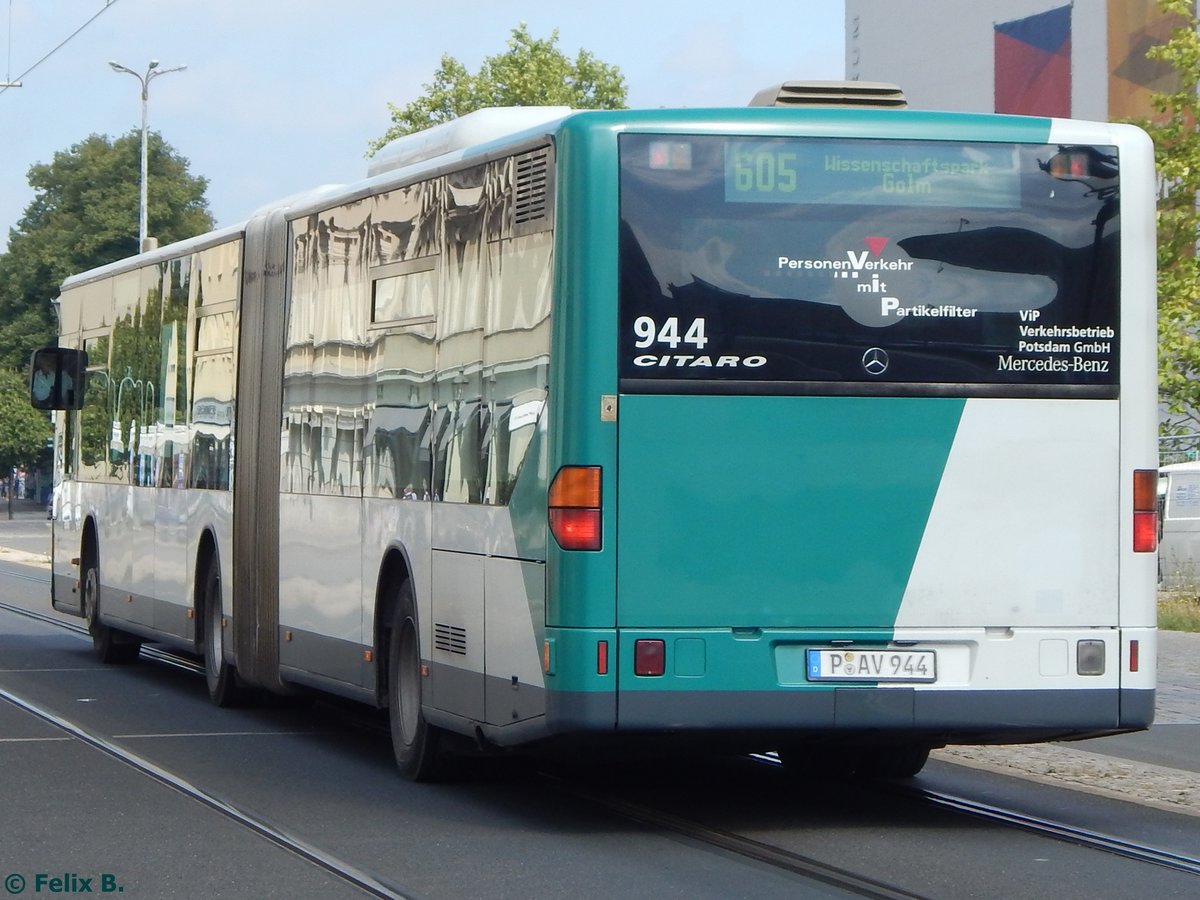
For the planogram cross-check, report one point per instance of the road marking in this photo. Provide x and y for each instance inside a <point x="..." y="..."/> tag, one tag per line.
<point x="200" y="734"/>
<point x="33" y="740"/>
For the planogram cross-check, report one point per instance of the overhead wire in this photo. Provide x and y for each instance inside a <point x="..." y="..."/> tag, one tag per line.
<point x="9" y="83"/>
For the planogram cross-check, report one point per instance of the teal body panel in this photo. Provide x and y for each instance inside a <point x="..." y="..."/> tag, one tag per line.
<point x="581" y="586"/>
<point x="596" y="127"/>
<point x="689" y="480"/>
<point x="582" y="589"/>
<point x="774" y="512"/>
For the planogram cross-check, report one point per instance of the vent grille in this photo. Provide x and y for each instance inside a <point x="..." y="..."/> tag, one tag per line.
<point x="532" y="200"/>
<point x="832" y="93"/>
<point x="450" y="638"/>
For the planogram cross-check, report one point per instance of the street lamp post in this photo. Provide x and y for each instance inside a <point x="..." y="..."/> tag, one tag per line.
<point x="152" y="72"/>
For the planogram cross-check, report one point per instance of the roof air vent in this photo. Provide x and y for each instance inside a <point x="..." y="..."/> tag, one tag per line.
<point x="531" y="202"/>
<point x="832" y="93"/>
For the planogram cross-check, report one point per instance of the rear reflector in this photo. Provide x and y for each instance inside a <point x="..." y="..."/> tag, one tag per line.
<point x="1145" y="510"/>
<point x="574" y="508"/>
<point x="1134" y="655"/>
<point x="649" y="657"/>
<point x="601" y="657"/>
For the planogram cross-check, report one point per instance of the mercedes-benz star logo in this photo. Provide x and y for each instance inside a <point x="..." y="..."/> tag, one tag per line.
<point x="875" y="361"/>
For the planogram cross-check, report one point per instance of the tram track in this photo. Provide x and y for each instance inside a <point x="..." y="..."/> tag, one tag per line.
<point x="739" y="845"/>
<point x="661" y="819"/>
<point x="810" y="867"/>
<point x="370" y="884"/>
<point x="166" y="657"/>
<point x="1038" y="825"/>
<point x="1071" y="834"/>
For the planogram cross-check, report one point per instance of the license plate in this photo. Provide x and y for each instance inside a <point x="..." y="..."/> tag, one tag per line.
<point x="855" y="664"/>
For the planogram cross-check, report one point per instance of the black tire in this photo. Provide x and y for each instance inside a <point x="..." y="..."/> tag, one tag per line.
<point x="415" y="742"/>
<point x="897" y="761"/>
<point x="112" y="646"/>
<point x="221" y="677"/>
<point x="820" y="761"/>
<point x="886" y="761"/>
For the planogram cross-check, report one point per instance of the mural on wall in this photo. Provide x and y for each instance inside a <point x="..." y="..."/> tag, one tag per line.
<point x="1134" y="26"/>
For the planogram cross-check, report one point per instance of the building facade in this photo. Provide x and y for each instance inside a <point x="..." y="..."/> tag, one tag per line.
<point x="1084" y="59"/>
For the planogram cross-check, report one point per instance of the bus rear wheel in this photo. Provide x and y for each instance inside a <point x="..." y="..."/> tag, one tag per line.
<point x="898" y="761"/>
<point x="885" y="761"/>
<point x="415" y="742"/>
<point x="112" y="646"/>
<point x="223" y="687"/>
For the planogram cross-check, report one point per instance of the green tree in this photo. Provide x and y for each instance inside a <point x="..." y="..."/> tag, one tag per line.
<point x="85" y="214"/>
<point x="1177" y="153"/>
<point x="532" y="72"/>
<point x="24" y="431"/>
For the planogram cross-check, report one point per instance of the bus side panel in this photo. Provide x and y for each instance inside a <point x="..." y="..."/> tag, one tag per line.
<point x="320" y="586"/>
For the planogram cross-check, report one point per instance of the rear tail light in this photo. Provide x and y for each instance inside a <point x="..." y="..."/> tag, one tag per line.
<point x="1145" y="510"/>
<point x="649" y="657"/>
<point x="574" y="508"/>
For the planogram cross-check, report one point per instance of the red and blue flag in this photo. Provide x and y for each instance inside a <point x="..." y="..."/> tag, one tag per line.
<point x="1033" y="64"/>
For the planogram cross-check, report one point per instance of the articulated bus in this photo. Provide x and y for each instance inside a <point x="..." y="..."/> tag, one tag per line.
<point x="825" y="430"/>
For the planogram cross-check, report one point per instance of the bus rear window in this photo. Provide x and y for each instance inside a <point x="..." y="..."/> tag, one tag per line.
<point x="822" y="266"/>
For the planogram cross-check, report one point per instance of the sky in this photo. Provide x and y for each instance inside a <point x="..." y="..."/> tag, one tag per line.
<point x="280" y="96"/>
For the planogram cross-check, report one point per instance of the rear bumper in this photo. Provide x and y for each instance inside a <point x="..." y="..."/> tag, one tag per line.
<point x="991" y="685"/>
<point x="941" y="716"/>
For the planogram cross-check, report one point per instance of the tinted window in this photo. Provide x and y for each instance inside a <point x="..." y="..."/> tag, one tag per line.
<point x="877" y="267"/>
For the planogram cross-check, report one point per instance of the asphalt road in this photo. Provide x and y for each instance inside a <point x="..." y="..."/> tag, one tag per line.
<point x="311" y="775"/>
<point x="69" y="809"/>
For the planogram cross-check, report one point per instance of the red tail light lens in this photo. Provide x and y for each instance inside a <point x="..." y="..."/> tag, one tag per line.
<point x="1145" y="532"/>
<point x="574" y="511"/>
<point x="576" y="529"/>
<point x="649" y="657"/>
<point x="1145" y="510"/>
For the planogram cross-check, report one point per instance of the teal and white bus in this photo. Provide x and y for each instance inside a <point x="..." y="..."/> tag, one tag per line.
<point x="822" y="430"/>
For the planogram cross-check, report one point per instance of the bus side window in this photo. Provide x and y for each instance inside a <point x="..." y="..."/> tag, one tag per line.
<point x="56" y="376"/>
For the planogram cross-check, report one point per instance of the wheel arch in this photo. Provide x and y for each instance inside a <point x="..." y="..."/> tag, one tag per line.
<point x="89" y="553"/>
<point x="206" y="552"/>
<point x="393" y="570"/>
<point x="89" y="541"/>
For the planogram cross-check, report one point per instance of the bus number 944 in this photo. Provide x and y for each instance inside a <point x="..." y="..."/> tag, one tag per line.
<point x="648" y="333"/>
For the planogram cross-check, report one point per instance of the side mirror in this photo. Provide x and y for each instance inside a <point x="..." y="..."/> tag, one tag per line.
<point x="56" y="378"/>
